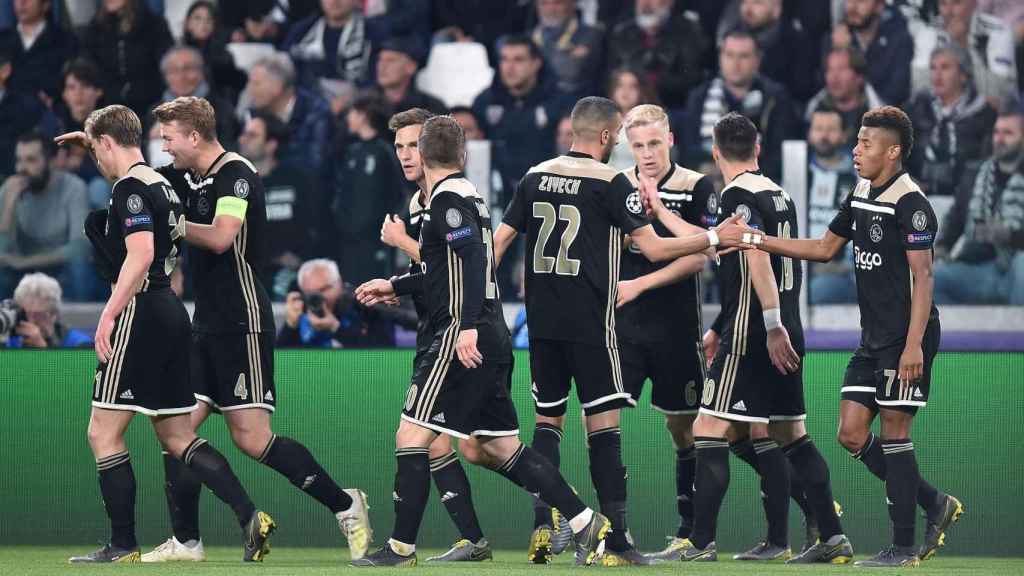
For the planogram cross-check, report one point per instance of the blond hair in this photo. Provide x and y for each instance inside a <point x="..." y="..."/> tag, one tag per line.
<point x="646" y="115"/>
<point x="192" y="112"/>
<point x="118" y="122"/>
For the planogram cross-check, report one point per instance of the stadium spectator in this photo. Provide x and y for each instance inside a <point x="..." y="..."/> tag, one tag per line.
<point x="409" y="20"/>
<point x="739" y="88"/>
<point x="668" y="48"/>
<point x="396" y="74"/>
<point x="470" y="123"/>
<point x="952" y="123"/>
<point x="520" y="111"/>
<point x="563" y="135"/>
<point x="203" y="32"/>
<point x="126" y="41"/>
<point x="272" y="88"/>
<point x="573" y="50"/>
<point x="258" y="25"/>
<point x="184" y="70"/>
<point x="293" y="200"/>
<point x="332" y="50"/>
<point x="846" y="90"/>
<point x="39" y="296"/>
<point x="38" y="48"/>
<point x="786" y="47"/>
<point x="324" y="314"/>
<point x="483" y="21"/>
<point x="627" y="89"/>
<point x="42" y="212"/>
<point x="981" y="242"/>
<point x="988" y="39"/>
<point x="830" y="177"/>
<point x="81" y="95"/>
<point x="368" y="186"/>
<point x="880" y="33"/>
<point x="19" y="113"/>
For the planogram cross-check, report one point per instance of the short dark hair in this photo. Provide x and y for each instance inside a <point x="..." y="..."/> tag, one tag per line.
<point x="894" y="120"/>
<point x="736" y="137"/>
<point x="520" y="40"/>
<point x="276" y="129"/>
<point x="826" y="109"/>
<point x="118" y="122"/>
<point x="410" y="117"/>
<point x="741" y="34"/>
<point x="593" y="114"/>
<point x="84" y="70"/>
<point x="442" y="143"/>
<point x="858" y="63"/>
<point x="36" y="136"/>
<point x="373" y="106"/>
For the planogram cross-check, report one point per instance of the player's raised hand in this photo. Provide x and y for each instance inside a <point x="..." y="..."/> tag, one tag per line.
<point x="711" y="341"/>
<point x="911" y="365"/>
<point x="628" y="291"/>
<point x="650" y="197"/>
<point x="78" y="138"/>
<point x="375" y="291"/>
<point x="466" y="349"/>
<point x="102" y="339"/>
<point x="781" y="351"/>
<point x="392" y="231"/>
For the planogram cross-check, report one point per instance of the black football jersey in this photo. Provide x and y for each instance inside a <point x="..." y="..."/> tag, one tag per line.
<point x="763" y="205"/>
<point x="456" y="217"/>
<point x="884" y="223"/>
<point x="229" y="296"/>
<point x="574" y="211"/>
<point x="144" y="201"/>
<point x="668" y="313"/>
<point x="413" y="223"/>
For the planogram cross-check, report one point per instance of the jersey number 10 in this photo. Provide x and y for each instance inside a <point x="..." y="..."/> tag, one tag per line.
<point x="561" y="264"/>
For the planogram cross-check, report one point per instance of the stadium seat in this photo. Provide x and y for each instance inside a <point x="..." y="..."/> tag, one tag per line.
<point x="174" y="12"/>
<point x="246" y="54"/>
<point x="456" y="72"/>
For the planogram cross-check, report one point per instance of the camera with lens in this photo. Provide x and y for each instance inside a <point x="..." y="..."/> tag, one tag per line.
<point x="314" y="304"/>
<point x="10" y="316"/>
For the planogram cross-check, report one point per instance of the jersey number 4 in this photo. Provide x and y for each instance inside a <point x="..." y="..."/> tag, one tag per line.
<point x="561" y="264"/>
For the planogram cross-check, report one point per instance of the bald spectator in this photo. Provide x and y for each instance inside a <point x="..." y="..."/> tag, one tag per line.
<point x="880" y="33"/>
<point x="667" y="47"/>
<point x="846" y="90"/>
<point x="788" y="57"/>
<point x="739" y="88"/>
<point x="396" y="75"/>
<point x="952" y="123"/>
<point x="38" y="48"/>
<point x="185" y="74"/>
<point x="272" y="89"/>
<point x="572" y="49"/>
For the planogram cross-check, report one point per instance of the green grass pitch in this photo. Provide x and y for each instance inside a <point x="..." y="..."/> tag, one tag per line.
<point x="39" y="561"/>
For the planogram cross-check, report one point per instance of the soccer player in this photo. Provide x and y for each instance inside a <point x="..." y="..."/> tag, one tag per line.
<point x="402" y="233"/>
<point x="142" y="340"/>
<point x="658" y="322"/>
<point x="460" y="386"/>
<point x="233" y="328"/>
<point x="755" y="380"/>
<point x="574" y="210"/>
<point x="892" y="226"/>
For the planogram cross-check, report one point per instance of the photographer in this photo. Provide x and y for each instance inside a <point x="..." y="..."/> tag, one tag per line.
<point x="36" y="309"/>
<point x="326" y="315"/>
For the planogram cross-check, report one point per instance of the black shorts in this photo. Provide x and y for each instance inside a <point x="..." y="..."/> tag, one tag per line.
<point x="676" y="372"/>
<point x="556" y="364"/>
<point x="872" y="376"/>
<point x="449" y="398"/>
<point x="234" y="371"/>
<point x="148" y="371"/>
<point x="748" y="388"/>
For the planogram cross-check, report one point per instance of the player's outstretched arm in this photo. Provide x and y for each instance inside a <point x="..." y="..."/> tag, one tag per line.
<point x="821" y="249"/>
<point x="656" y="209"/>
<point x="780" y="349"/>
<point x="503" y="238"/>
<point x="681" y="268"/>
<point x="138" y="258"/>
<point x="912" y="360"/>
<point x="728" y="234"/>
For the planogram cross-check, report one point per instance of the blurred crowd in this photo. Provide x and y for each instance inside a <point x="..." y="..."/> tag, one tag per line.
<point x="304" y="89"/>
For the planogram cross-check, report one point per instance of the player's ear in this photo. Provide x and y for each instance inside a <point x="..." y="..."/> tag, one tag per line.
<point x="671" y="139"/>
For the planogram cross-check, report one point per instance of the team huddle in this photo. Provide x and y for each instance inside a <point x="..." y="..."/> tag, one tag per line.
<point x="613" y="299"/>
